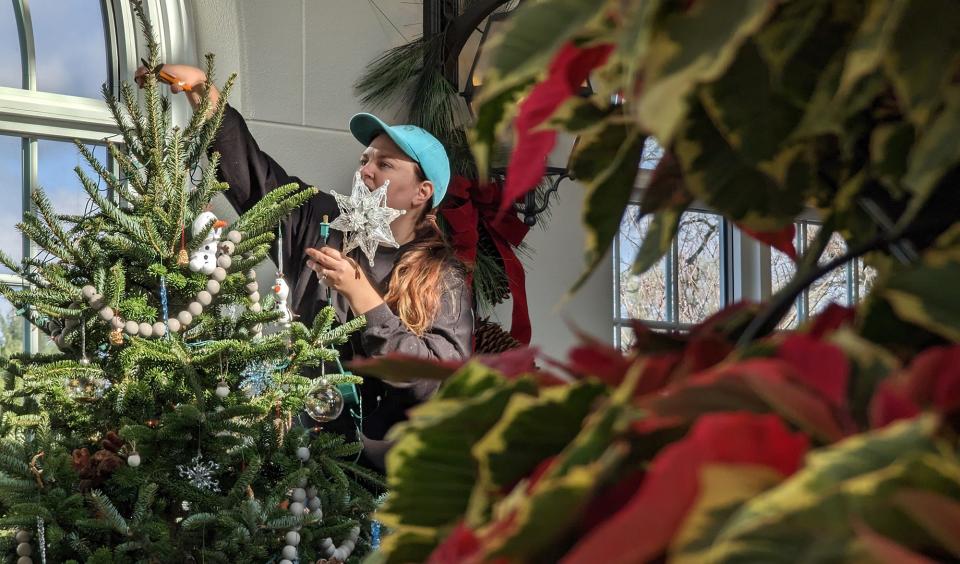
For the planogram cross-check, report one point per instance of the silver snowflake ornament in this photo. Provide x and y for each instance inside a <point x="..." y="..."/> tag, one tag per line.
<point x="365" y="218"/>
<point x="200" y="473"/>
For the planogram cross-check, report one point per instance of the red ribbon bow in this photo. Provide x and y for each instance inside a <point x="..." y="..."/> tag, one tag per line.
<point x="479" y="208"/>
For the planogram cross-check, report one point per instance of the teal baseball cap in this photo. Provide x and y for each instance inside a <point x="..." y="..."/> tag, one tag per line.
<point x="415" y="142"/>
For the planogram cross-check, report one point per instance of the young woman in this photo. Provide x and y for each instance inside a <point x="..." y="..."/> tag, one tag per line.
<point x="414" y="297"/>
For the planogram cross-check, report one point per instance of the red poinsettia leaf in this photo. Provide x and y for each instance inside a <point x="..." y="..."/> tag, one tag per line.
<point x="511" y="363"/>
<point x="643" y="529"/>
<point x="657" y="373"/>
<point x="934" y="378"/>
<point x="781" y="240"/>
<point x="599" y="360"/>
<point x="569" y="68"/>
<point x="890" y="403"/>
<point x="831" y="319"/>
<point x="937" y="514"/>
<point x="757" y="384"/>
<point x="400" y="367"/>
<point x="820" y="365"/>
<point x="610" y="500"/>
<point x="886" y="551"/>
<point x="460" y="546"/>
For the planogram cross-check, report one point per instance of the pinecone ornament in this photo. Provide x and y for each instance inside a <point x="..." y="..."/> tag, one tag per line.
<point x="492" y="339"/>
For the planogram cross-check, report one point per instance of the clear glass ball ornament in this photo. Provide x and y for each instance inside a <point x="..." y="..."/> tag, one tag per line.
<point x="324" y="402"/>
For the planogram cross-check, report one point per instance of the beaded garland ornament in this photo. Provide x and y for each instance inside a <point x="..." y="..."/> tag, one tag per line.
<point x="212" y="258"/>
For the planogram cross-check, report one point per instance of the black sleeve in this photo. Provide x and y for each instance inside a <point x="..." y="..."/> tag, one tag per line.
<point x="251" y="174"/>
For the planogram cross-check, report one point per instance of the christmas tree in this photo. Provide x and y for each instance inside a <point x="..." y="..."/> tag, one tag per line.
<point x="163" y="431"/>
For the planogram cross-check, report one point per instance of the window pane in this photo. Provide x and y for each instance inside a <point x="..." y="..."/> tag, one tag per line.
<point x="652" y="153"/>
<point x="11" y="329"/>
<point x="644" y="296"/>
<point x="11" y="186"/>
<point x="11" y="71"/>
<point x="699" y="265"/>
<point x="866" y="277"/>
<point x="782" y="270"/>
<point x="832" y="287"/>
<point x="70" y="46"/>
<point x="55" y="175"/>
<point x="626" y="338"/>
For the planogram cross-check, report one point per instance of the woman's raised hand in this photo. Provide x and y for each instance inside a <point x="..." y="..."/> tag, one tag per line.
<point x="182" y="78"/>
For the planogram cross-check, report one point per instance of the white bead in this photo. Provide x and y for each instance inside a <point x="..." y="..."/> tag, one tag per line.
<point x="133" y="460"/>
<point x="299" y="494"/>
<point x="339" y="555"/>
<point x="24" y="535"/>
<point x="289" y="552"/>
<point x="227" y="247"/>
<point x="224" y="261"/>
<point x="252" y="286"/>
<point x="159" y="329"/>
<point x="195" y="308"/>
<point x="303" y="453"/>
<point x="213" y="286"/>
<point x="146" y="330"/>
<point x="222" y="390"/>
<point x="254" y="296"/>
<point x="219" y="274"/>
<point x="285" y="561"/>
<point x="185" y="317"/>
<point x="117" y="323"/>
<point x="88" y="292"/>
<point x="348" y="545"/>
<point x="327" y="543"/>
<point x="251" y="274"/>
<point x="24" y="560"/>
<point x="354" y="534"/>
<point x="235" y="237"/>
<point x="131" y="328"/>
<point x="292" y="538"/>
<point x="314" y="504"/>
<point x="255" y="307"/>
<point x="96" y="302"/>
<point x="296" y="508"/>
<point x="174" y="324"/>
<point x="24" y="549"/>
<point x="204" y="297"/>
<point x="106" y="313"/>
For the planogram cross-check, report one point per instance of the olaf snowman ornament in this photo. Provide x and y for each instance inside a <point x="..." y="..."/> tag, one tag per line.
<point x="282" y="291"/>
<point x="204" y="259"/>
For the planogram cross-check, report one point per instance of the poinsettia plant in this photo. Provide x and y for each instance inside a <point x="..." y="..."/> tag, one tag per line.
<point x="729" y="443"/>
<point x="813" y="444"/>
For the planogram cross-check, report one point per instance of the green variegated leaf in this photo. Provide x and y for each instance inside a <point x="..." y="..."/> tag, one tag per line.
<point x="925" y="294"/>
<point x="520" y="55"/>
<point x="828" y="469"/>
<point x="663" y="228"/>
<point x="871" y="41"/>
<point x="437" y="442"/>
<point x="688" y="48"/>
<point x="554" y="505"/>
<point x="820" y="524"/>
<point x="754" y="121"/>
<point x="921" y="60"/>
<point x="608" y="186"/>
<point x="531" y="430"/>
<point x="936" y="153"/>
<point x="719" y="176"/>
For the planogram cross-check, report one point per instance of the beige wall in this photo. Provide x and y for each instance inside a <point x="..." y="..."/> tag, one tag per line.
<point x="297" y="61"/>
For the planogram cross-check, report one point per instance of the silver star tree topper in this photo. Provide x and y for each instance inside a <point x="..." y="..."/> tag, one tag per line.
<point x="365" y="218"/>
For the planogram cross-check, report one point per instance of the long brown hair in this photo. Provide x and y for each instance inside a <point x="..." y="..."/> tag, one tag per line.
<point x="417" y="282"/>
